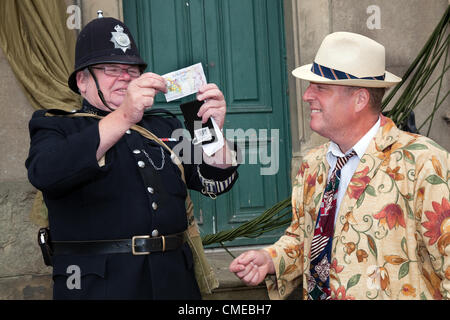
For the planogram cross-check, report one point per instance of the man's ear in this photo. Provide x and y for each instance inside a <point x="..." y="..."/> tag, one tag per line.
<point x="82" y="81"/>
<point x="362" y="99"/>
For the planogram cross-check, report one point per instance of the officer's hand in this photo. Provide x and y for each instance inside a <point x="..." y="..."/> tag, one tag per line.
<point x="140" y="95"/>
<point x="214" y="106"/>
<point x="252" y="266"/>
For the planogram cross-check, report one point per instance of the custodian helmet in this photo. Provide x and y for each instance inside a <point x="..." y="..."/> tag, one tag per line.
<point x="104" y="40"/>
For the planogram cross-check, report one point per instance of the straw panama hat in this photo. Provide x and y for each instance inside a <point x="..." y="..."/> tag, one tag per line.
<point x="350" y="59"/>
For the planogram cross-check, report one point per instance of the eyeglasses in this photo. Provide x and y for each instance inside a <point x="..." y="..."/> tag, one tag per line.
<point x="113" y="71"/>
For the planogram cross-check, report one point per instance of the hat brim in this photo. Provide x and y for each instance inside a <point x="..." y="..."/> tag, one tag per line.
<point x="305" y="73"/>
<point x="72" y="81"/>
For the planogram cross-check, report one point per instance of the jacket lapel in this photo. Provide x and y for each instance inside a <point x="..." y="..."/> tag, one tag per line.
<point x="315" y="184"/>
<point x="378" y="152"/>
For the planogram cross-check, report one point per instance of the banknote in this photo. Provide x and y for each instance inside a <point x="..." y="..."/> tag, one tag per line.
<point x="184" y="82"/>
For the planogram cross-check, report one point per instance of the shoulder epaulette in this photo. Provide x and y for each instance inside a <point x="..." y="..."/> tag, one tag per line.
<point x="60" y="112"/>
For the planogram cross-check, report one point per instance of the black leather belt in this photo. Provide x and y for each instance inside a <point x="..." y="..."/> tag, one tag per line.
<point x="138" y="245"/>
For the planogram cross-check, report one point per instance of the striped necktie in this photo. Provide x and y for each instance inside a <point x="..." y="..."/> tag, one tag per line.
<point x="319" y="279"/>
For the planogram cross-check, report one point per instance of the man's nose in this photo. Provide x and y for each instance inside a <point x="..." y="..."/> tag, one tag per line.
<point x="307" y="96"/>
<point x="124" y="75"/>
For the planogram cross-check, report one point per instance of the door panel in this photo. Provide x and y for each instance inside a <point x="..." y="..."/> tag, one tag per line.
<point x="241" y="47"/>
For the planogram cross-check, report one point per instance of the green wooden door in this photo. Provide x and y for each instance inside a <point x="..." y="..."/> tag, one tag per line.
<point x="241" y="46"/>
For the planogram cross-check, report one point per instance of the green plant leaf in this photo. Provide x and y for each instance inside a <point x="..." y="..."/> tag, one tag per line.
<point x="371" y="191"/>
<point x="404" y="270"/>
<point x="282" y="265"/>
<point x="372" y="246"/>
<point x="434" y="179"/>
<point x="416" y="146"/>
<point x="403" y="244"/>
<point x="408" y="208"/>
<point x="353" y="281"/>
<point x="360" y="200"/>
<point x="317" y="199"/>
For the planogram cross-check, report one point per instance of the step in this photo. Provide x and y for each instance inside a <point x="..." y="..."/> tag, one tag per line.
<point x="230" y="286"/>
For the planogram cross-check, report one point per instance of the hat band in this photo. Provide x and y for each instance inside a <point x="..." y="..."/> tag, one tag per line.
<point x="334" y="74"/>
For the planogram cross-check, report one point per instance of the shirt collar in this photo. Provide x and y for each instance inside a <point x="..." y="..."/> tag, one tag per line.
<point x="360" y="147"/>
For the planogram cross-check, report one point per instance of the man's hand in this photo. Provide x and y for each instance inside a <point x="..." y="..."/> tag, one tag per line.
<point x="141" y="94"/>
<point x="214" y="106"/>
<point x="252" y="266"/>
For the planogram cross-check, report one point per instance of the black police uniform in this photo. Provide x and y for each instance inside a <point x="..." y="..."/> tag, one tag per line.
<point x="138" y="191"/>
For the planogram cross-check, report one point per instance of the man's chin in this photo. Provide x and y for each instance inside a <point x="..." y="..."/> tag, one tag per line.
<point x="315" y="126"/>
<point x="320" y="130"/>
<point x="114" y="104"/>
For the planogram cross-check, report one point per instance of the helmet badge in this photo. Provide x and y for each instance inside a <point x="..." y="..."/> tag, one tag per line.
<point x="120" y="39"/>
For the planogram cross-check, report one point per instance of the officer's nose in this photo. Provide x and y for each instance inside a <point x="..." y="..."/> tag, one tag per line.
<point x="124" y="75"/>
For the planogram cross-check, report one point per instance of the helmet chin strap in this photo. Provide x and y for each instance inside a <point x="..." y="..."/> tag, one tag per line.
<point x="100" y="93"/>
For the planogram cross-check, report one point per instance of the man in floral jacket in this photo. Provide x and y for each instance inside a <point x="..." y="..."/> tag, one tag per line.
<point x="390" y="233"/>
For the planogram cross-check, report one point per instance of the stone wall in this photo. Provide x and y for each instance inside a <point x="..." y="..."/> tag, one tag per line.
<point x="402" y="26"/>
<point x="23" y="274"/>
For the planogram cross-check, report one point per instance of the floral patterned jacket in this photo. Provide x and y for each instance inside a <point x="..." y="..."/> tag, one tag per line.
<point x="392" y="233"/>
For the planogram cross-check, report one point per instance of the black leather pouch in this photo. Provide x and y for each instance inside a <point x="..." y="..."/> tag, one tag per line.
<point x="201" y="133"/>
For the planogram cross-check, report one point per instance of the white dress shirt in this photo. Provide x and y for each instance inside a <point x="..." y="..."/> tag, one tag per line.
<point x="350" y="167"/>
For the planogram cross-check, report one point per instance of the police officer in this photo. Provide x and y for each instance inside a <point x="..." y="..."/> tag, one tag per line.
<point x="116" y="200"/>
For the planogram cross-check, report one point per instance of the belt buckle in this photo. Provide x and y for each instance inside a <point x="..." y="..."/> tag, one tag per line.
<point x="133" y="245"/>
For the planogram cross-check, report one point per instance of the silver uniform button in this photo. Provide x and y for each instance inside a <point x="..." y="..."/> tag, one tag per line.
<point x="128" y="131"/>
<point x="141" y="164"/>
<point x="154" y="206"/>
<point x="151" y="190"/>
<point x="136" y="151"/>
<point x="155" y="233"/>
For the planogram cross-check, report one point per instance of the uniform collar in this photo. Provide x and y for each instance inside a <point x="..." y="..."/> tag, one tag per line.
<point x="89" y="108"/>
